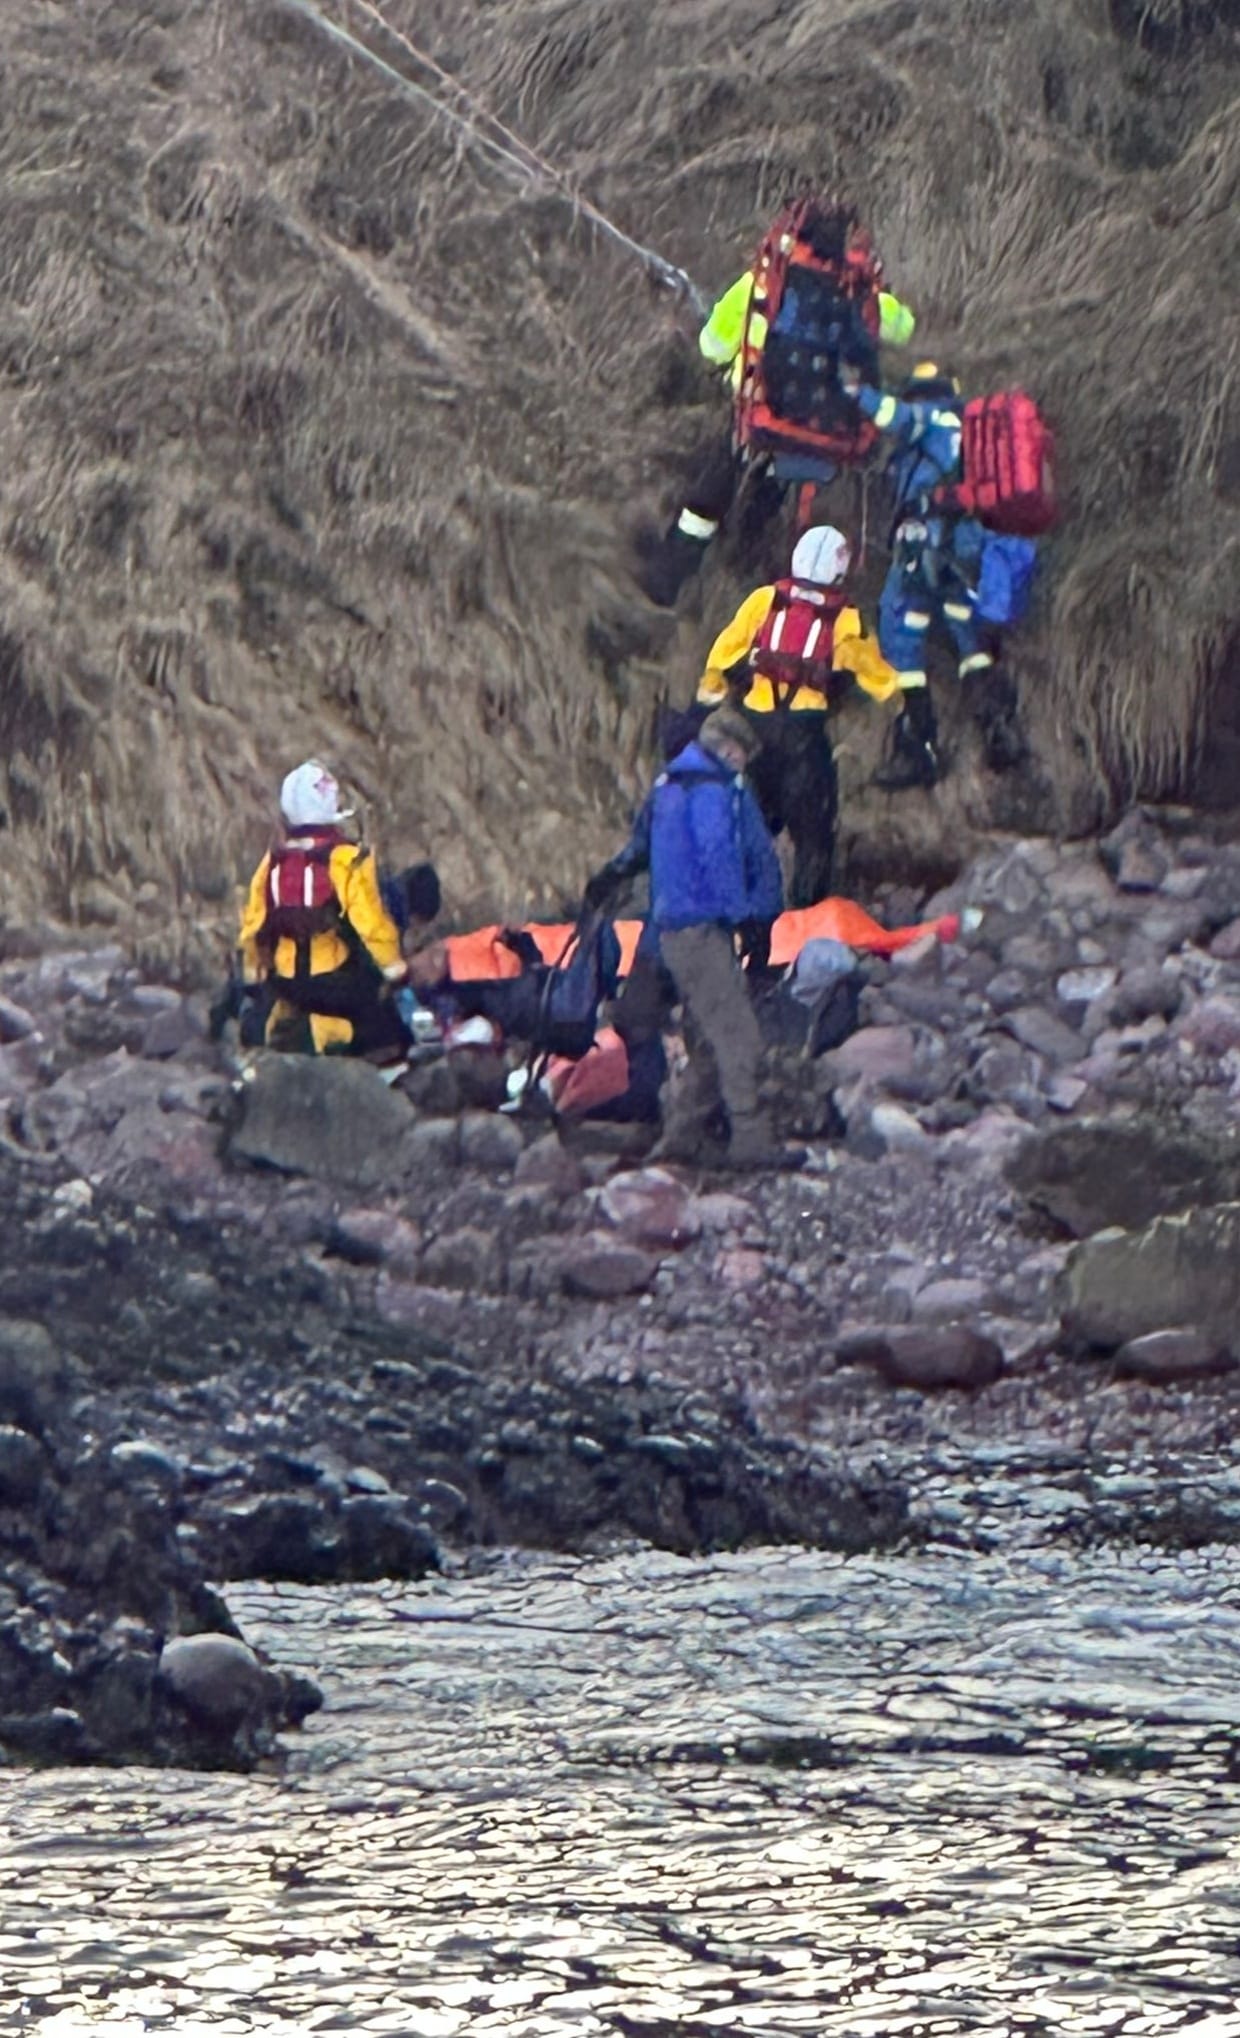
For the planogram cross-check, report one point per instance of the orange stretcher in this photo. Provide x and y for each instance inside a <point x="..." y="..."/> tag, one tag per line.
<point x="482" y="956"/>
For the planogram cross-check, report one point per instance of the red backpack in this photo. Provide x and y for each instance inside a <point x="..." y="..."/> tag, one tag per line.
<point x="1007" y="465"/>
<point x="796" y="643"/>
<point x="301" y="898"/>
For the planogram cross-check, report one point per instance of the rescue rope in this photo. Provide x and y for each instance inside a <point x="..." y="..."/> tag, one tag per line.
<point x="492" y="134"/>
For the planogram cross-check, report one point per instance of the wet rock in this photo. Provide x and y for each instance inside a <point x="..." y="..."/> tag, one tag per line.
<point x="470" y="1259"/>
<point x="138" y="1459"/>
<point x="22" y="1464"/>
<point x="216" y="1677"/>
<point x="720" y="1210"/>
<point x="1212" y="1027"/>
<point x="599" y="1265"/>
<point x="988" y="1143"/>
<point x="34" y="1375"/>
<point x="1134" y="855"/>
<point x="332" y="1119"/>
<point x="1178" y="1270"/>
<point x="441" y="1505"/>
<point x="1098" y="1172"/>
<point x="899" y="1130"/>
<point x="1065" y="1092"/>
<point x="548" y="1162"/>
<point x="169" y="1031"/>
<point x="1078" y="988"/>
<point x="1171" y="1355"/>
<point x="377" y="1238"/>
<point x="15" y="1022"/>
<point x="876" y="1052"/>
<point x="651" y="1208"/>
<point x="382" y="1541"/>
<point x="1145" y="993"/>
<point x="432" y="1146"/>
<point x="1226" y="943"/>
<point x="741" y="1267"/>
<point x="490" y="1141"/>
<point x="276" y="1536"/>
<point x="1044" y="1034"/>
<point x="951" y="1356"/>
<point x="950" y="1299"/>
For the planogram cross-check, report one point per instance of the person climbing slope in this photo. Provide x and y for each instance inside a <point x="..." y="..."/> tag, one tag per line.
<point x="779" y="333"/>
<point x="320" y="953"/>
<point x="713" y="874"/>
<point x="786" y="657"/>
<point x="936" y="559"/>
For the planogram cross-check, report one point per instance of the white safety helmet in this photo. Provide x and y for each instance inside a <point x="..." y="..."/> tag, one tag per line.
<point x="822" y="556"/>
<point x="309" y="797"/>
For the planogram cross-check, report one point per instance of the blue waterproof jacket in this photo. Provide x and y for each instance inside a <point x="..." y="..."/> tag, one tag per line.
<point x="709" y="852"/>
<point x="927" y="443"/>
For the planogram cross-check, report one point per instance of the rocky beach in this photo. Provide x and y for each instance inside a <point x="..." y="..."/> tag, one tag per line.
<point x="288" y="1322"/>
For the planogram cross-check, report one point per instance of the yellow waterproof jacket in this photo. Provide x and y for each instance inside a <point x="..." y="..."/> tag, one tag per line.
<point x="720" y="338"/>
<point x="355" y="881"/>
<point x="851" y="652"/>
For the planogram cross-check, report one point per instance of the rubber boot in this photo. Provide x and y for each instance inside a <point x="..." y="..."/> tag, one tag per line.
<point x="913" y="758"/>
<point x="1004" y="744"/>
<point x="753" y="1147"/>
<point x="692" y="1125"/>
<point x="670" y="566"/>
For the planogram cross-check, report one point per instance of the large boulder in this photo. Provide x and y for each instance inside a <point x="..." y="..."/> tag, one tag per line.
<point x="1181" y="1271"/>
<point x="333" y="1119"/>
<point x="1095" y="1173"/>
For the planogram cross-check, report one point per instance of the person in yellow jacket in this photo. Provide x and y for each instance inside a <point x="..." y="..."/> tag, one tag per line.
<point x="715" y="477"/>
<point x="785" y="657"/>
<point x="320" y="953"/>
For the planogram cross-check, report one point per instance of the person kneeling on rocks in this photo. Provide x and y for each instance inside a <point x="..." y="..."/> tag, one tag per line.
<point x="714" y="874"/>
<point x="320" y="952"/>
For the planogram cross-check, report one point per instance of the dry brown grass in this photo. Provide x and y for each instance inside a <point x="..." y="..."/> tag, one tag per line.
<point x="321" y="435"/>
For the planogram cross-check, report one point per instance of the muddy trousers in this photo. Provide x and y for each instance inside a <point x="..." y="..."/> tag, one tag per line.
<point x="794" y="778"/>
<point x="721" y="1033"/>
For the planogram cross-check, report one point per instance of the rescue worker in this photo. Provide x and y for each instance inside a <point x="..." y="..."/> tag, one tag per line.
<point x="935" y="559"/>
<point x="827" y="229"/>
<point x="713" y="874"/>
<point x="320" y="953"/>
<point x="779" y="657"/>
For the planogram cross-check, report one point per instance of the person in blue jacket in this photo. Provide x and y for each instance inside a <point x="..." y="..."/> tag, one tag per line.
<point x="714" y="875"/>
<point x="935" y="563"/>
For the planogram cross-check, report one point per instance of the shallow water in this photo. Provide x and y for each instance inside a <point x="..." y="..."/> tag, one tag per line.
<point x="764" y="1793"/>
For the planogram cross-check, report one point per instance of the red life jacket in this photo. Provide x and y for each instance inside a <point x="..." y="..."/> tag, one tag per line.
<point x="301" y="898"/>
<point x="816" y="310"/>
<point x="1007" y="465"/>
<point x="796" y="643"/>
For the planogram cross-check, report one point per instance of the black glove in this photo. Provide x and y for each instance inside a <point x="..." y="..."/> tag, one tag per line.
<point x="600" y="889"/>
<point x="755" y="937"/>
<point x="253" y="1009"/>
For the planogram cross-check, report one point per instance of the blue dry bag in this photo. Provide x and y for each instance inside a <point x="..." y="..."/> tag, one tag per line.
<point x="1005" y="581"/>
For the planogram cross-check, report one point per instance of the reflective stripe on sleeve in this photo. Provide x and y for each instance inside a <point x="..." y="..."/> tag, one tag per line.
<point x="909" y="681"/>
<point x="981" y="661"/>
<point x="916" y="620"/>
<point x="695" y="526"/>
<point x="960" y="612"/>
<point x="885" y="412"/>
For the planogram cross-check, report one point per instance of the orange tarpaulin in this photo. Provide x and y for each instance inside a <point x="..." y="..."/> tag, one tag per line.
<point x="841" y="920"/>
<point x="482" y="956"/>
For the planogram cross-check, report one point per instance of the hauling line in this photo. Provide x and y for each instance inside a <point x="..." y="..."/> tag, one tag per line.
<point x="532" y="167"/>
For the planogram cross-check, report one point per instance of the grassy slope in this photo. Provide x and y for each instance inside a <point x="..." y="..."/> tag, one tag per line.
<point x="318" y="435"/>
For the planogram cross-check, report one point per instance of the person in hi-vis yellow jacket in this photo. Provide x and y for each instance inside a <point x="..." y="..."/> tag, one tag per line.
<point x="829" y="231"/>
<point x="785" y="657"/>
<point x="320" y="953"/>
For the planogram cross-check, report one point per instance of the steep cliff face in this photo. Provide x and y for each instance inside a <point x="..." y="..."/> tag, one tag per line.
<point x="323" y="432"/>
